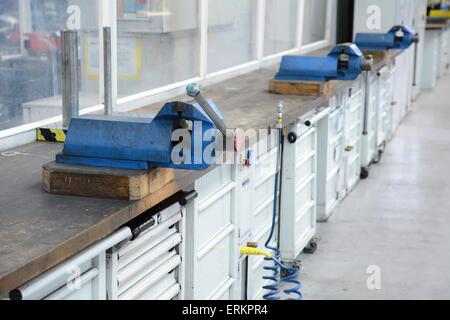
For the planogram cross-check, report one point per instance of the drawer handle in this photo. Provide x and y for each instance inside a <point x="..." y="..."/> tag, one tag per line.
<point x="393" y="104"/>
<point x="349" y="148"/>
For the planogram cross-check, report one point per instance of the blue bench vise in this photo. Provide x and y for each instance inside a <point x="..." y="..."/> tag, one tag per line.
<point x="344" y="62"/>
<point x="398" y="38"/>
<point x="140" y="143"/>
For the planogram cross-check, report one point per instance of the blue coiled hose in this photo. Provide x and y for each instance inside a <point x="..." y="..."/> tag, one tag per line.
<point x="275" y="268"/>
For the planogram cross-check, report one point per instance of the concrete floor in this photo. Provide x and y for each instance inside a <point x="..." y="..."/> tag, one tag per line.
<point x="397" y="220"/>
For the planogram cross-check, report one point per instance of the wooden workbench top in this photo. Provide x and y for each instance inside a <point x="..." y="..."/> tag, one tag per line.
<point x="39" y="230"/>
<point x="246" y="103"/>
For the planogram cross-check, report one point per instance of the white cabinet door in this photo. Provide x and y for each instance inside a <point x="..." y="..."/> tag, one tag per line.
<point x="262" y="203"/>
<point x="369" y="143"/>
<point x="298" y="199"/>
<point x="212" y="239"/>
<point x="419" y="26"/>
<point x="429" y="69"/>
<point x="385" y="97"/>
<point x="330" y="159"/>
<point x="353" y="133"/>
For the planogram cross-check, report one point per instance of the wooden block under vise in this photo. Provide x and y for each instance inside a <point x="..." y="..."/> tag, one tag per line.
<point x="301" y="88"/>
<point x="380" y="56"/>
<point x="106" y="183"/>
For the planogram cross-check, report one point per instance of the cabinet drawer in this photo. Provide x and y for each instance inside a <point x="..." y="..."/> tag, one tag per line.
<point x="214" y="181"/>
<point x="373" y="88"/>
<point x="155" y="273"/>
<point x="353" y="172"/>
<point x="213" y="265"/>
<point x="355" y="131"/>
<point x="353" y="165"/>
<point x="167" y="288"/>
<point x="305" y="167"/>
<point x="256" y="270"/>
<point x="226" y="295"/>
<point x="138" y="248"/>
<point x="305" y="144"/>
<point x="266" y="164"/>
<point x="149" y="266"/>
<point x="354" y="115"/>
<point x="305" y="192"/>
<point x="337" y="123"/>
<point x="305" y="221"/>
<point x="355" y="100"/>
<point x="355" y="150"/>
<point x="332" y="190"/>
<point x="264" y="177"/>
<point x="335" y="154"/>
<point x="262" y="215"/>
<point x="214" y="214"/>
<point x="138" y="269"/>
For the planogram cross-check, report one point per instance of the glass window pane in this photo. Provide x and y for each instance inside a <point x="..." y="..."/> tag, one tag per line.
<point x="9" y="27"/>
<point x="231" y="33"/>
<point x="280" y="32"/>
<point x="30" y="57"/>
<point x="315" y="21"/>
<point x="158" y="43"/>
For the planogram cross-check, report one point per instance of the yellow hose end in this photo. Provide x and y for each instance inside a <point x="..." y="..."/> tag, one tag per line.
<point x="247" y="251"/>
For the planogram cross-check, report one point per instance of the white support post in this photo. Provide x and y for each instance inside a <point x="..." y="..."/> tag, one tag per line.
<point x="260" y="28"/>
<point x="25" y="21"/>
<point x="108" y="18"/>
<point x="329" y="18"/>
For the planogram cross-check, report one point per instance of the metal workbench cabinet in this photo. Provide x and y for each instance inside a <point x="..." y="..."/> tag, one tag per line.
<point x="82" y="277"/>
<point x="151" y="266"/>
<point x="298" y="198"/>
<point x="354" y="113"/>
<point x="143" y="262"/>
<point x="331" y="187"/>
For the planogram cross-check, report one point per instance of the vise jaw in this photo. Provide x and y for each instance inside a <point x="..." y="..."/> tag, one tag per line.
<point x="142" y="143"/>
<point x="344" y="62"/>
<point x="400" y="37"/>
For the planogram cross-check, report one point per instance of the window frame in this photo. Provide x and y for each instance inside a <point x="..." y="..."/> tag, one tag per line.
<point x="107" y="17"/>
<point x="321" y="43"/>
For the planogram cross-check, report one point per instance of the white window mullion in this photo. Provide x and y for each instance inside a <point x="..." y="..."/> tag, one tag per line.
<point x="328" y="22"/>
<point x="260" y="28"/>
<point x="327" y="37"/>
<point x="203" y="38"/>
<point x="114" y="35"/>
<point x="25" y="21"/>
<point x="101" y="15"/>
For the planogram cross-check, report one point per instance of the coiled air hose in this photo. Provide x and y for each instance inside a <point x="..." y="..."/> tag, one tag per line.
<point x="276" y="279"/>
